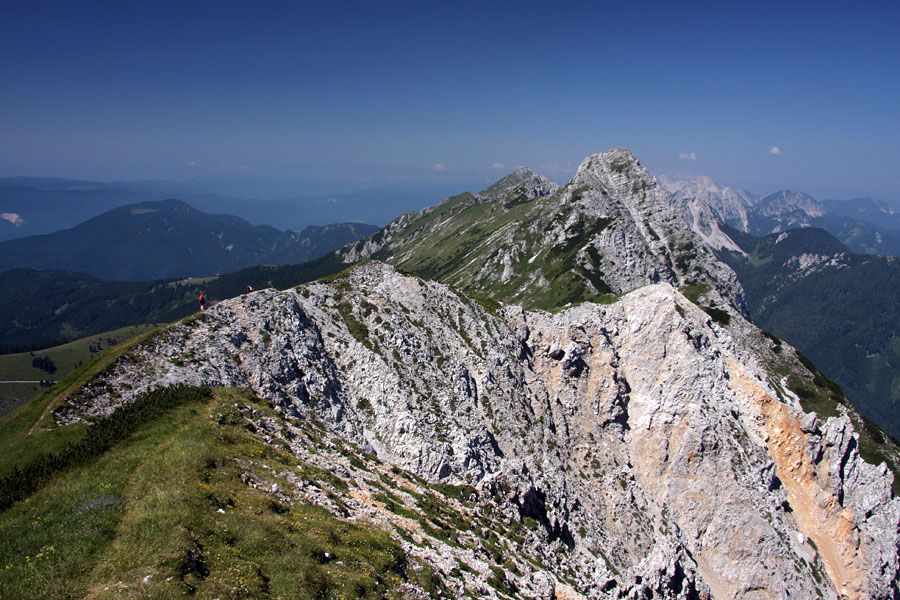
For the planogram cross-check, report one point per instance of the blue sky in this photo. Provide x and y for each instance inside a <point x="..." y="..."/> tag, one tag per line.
<point x="763" y="96"/>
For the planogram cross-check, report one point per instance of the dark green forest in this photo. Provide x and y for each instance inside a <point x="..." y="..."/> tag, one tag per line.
<point x="47" y="308"/>
<point x="845" y="317"/>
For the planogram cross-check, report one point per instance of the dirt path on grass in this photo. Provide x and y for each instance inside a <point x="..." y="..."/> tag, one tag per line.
<point x="40" y="418"/>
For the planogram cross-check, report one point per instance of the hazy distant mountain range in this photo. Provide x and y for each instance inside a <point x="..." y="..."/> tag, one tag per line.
<point x="867" y="226"/>
<point x="154" y="240"/>
<point x="32" y="205"/>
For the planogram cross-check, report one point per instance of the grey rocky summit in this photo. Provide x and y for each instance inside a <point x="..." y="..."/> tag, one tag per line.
<point x="649" y="238"/>
<point x="729" y="205"/>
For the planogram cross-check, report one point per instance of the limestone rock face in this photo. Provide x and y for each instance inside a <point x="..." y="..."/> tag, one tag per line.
<point x="746" y="211"/>
<point x="729" y="205"/>
<point x="650" y="238"/>
<point x="640" y="449"/>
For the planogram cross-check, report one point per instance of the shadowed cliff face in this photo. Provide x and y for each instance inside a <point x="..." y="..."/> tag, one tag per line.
<point x="643" y="448"/>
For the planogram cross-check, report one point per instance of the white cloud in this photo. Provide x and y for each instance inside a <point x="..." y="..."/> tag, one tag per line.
<point x="687" y="155"/>
<point x="193" y="163"/>
<point x="775" y="150"/>
<point x="13" y="218"/>
<point x="497" y="165"/>
<point x="243" y="167"/>
<point x="439" y="167"/>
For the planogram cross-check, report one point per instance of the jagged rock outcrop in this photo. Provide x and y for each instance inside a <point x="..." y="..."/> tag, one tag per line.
<point x="640" y="449"/>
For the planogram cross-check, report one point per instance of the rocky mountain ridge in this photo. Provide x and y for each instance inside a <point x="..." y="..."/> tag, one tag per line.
<point x="643" y="440"/>
<point x="609" y="230"/>
<point x="636" y="449"/>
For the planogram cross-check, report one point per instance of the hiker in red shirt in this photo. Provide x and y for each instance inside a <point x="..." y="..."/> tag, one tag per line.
<point x="202" y="300"/>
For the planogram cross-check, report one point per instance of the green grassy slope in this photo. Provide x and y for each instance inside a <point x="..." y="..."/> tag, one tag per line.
<point x="64" y="358"/>
<point x="29" y="429"/>
<point x="164" y="513"/>
<point x="456" y="239"/>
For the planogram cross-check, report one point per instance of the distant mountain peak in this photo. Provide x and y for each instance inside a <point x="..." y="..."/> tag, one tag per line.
<point x="524" y="180"/>
<point x="865" y="225"/>
<point x="787" y="201"/>
<point x="703" y="186"/>
<point x="169" y="238"/>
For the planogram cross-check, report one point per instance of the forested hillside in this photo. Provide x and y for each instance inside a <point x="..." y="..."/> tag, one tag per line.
<point x="840" y="309"/>
<point x="154" y="240"/>
<point x="46" y="308"/>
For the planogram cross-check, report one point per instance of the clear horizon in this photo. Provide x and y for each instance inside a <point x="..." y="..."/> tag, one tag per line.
<point x="762" y="97"/>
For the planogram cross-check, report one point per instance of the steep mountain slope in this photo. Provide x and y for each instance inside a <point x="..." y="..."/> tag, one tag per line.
<point x="837" y="307"/>
<point x="637" y="449"/>
<point x="864" y="225"/>
<point x="153" y="240"/>
<point x="611" y="229"/>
